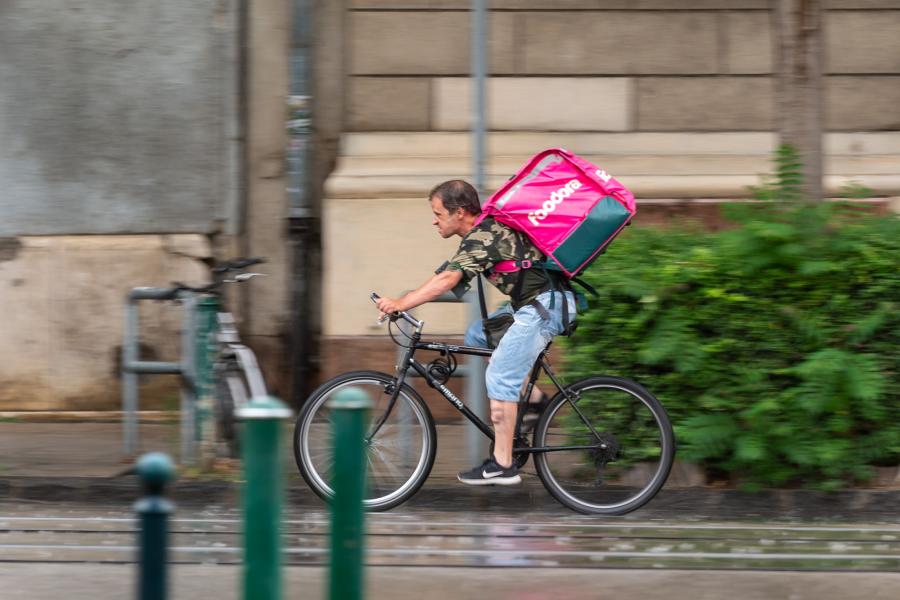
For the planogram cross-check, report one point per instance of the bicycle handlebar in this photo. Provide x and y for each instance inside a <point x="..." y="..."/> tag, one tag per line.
<point x="398" y="315"/>
<point x="235" y="264"/>
<point x="177" y="286"/>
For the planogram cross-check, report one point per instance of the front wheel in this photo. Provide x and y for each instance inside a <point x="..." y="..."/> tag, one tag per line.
<point x="609" y="448"/>
<point x="399" y="452"/>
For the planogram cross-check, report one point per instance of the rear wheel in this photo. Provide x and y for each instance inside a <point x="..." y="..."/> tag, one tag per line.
<point x="609" y="451"/>
<point x="399" y="453"/>
<point x="231" y="393"/>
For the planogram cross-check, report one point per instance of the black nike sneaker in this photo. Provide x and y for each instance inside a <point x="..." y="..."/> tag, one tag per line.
<point x="491" y="473"/>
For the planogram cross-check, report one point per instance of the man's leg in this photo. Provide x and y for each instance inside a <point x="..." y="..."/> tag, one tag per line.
<point x="499" y="468"/>
<point x="509" y="366"/>
<point x="503" y="416"/>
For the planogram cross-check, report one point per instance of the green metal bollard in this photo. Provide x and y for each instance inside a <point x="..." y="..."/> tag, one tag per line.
<point x="155" y="470"/>
<point x="260" y="447"/>
<point x="204" y="356"/>
<point x="350" y="407"/>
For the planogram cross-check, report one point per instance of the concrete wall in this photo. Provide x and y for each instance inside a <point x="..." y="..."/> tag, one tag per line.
<point x="117" y="116"/>
<point x="62" y="302"/>
<point x="131" y="152"/>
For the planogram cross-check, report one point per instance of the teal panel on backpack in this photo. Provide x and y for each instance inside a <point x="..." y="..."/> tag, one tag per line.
<point x="602" y="222"/>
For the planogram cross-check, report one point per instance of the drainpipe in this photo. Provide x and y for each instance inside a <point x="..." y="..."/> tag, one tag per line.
<point x="475" y="440"/>
<point x="303" y="216"/>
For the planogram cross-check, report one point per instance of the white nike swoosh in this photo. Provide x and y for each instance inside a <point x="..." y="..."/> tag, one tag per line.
<point x="487" y="475"/>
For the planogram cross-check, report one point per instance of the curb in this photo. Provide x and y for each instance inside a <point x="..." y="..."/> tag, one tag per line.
<point x="670" y="504"/>
<point x="87" y="416"/>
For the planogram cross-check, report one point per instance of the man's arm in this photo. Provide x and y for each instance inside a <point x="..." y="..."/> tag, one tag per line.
<point x="437" y="285"/>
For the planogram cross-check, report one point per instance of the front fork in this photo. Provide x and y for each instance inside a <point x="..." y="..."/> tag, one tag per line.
<point x="402" y="370"/>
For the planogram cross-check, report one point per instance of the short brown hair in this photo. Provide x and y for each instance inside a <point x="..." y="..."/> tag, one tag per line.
<point x="457" y="193"/>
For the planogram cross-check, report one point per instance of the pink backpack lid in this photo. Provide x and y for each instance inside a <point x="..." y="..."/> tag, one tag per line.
<point x="551" y="196"/>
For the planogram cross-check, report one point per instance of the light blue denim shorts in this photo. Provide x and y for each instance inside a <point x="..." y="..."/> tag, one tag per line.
<point x="522" y="343"/>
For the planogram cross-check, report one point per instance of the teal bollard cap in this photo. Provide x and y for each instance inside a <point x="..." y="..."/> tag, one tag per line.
<point x="264" y="407"/>
<point x="350" y="398"/>
<point x="155" y="469"/>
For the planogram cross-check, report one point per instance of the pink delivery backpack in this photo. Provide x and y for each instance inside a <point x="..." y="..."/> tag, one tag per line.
<point x="570" y="209"/>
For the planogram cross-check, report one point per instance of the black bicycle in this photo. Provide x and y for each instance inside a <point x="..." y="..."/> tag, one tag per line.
<point x="601" y="445"/>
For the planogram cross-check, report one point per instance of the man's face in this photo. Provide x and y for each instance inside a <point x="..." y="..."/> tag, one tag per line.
<point x="448" y="223"/>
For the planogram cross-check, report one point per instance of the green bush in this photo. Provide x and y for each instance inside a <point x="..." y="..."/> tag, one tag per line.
<point x="775" y="345"/>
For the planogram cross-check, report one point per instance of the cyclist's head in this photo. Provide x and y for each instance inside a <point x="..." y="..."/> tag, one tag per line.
<point x="455" y="194"/>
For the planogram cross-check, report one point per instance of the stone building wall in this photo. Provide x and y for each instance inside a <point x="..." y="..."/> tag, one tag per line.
<point x="606" y="65"/>
<point x="673" y="97"/>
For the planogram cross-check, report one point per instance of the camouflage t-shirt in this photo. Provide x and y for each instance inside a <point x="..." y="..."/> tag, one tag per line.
<point x="490" y="242"/>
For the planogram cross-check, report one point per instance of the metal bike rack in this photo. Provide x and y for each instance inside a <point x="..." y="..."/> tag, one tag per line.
<point x="132" y="367"/>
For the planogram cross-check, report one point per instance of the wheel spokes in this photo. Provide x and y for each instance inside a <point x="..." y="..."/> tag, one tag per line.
<point x="625" y="455"/>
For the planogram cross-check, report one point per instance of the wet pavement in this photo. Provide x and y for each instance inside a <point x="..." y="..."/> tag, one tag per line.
<point x="67" y="531"/>
<point x="83" y="462"/>
<point x="223" y="582"/>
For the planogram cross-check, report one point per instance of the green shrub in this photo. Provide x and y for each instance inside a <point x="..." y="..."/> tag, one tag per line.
<point x="775" y="346"/>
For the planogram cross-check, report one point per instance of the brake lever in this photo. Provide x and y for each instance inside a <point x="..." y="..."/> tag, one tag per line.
<point x="245" y="276"/>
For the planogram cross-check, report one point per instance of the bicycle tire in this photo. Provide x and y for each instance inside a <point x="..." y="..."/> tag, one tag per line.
<point x="391" y="478"/>
<point x="625" y="467"/>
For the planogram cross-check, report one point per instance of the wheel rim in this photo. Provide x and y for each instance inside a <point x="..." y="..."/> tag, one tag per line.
<point x="628" y="471"/>
<point x="396" y="456"/>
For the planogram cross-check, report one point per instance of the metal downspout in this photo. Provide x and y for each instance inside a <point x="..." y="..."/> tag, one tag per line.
<point x="303" y="221"/>
<point x="475" y="392"/>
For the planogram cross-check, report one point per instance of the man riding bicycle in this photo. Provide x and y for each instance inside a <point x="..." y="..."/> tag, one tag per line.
<point x="541" y="302"/>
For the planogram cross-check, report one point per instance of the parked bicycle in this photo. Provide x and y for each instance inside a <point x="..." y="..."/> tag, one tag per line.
<point x="601" y="445"/>
<point x="227" y="371"/>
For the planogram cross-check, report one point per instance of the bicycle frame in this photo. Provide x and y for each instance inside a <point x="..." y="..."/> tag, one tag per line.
<point x="218" y="351"/>
<point x="540" y="365"/>
<point x="233" y="349"/>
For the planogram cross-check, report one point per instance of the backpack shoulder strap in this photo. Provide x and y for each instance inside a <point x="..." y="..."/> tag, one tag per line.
<point x="481" y="301"/>
<point x="588" y="287"/>
<point x="520" y="263"/>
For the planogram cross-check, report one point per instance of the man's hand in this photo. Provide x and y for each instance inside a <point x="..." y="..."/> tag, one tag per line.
<point x="388" y="306"/>
<point x="439" y="284"/>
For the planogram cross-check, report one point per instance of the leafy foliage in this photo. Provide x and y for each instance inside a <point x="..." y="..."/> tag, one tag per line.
<point x="773" y="345"/>
<point x="787" y="182"/>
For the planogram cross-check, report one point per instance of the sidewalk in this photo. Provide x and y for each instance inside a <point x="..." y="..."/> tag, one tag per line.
<point x="83" y="461"/>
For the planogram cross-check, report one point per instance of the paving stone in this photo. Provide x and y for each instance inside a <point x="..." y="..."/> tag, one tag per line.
<point x="620" y="43"/>
<point x="862" y="103"/>
<point x="862" y="42"/>
<point x="389" y="103"/>
<point x="704" y="103"/>
<point x="423" y="43"/>
<point x="748" y="42"/>
<point x="537" y="103"/>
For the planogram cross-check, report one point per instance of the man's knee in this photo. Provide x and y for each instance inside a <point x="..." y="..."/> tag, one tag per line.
<point x="503" y="412"/>
<point x="497" y="415"/>
<point x="475" y="335"/>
